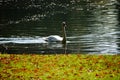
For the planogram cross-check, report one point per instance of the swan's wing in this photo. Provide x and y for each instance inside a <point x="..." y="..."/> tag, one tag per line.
<point x="54" y="38"/>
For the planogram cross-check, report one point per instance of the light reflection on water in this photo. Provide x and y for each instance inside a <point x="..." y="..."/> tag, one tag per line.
<point x="92" y="31"/>
<point x="100" y="33"/>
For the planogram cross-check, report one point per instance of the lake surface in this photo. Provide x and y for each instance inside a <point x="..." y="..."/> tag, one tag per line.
<point x="90" y="29"/>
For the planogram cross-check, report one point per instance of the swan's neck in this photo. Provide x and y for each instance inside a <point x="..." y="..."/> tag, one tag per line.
<point x="64" y="35"/>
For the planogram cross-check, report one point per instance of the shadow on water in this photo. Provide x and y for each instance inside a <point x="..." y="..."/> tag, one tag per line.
<point x="92" y="28"/>
<point x="118" y="39"/>
<point x="35" y="48"/>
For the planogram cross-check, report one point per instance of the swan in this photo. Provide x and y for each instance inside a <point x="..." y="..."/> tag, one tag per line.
<point x="56" y="38"/>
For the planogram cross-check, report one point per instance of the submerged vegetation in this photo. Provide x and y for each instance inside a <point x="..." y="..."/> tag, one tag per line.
<point x="59" y="67"/>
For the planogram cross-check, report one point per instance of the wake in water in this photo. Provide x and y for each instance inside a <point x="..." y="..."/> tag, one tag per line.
<point x="22" y="40"/>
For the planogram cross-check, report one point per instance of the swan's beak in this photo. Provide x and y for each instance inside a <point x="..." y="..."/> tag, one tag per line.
<point x="64" y="24"/>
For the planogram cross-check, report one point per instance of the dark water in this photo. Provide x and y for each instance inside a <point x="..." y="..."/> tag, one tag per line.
<point x="90" y="29"/>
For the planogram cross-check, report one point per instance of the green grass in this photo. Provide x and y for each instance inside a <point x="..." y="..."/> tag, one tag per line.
<point x="59" y="67"/>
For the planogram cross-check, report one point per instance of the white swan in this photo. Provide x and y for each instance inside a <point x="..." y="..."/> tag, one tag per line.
<point x="56" y="38"/>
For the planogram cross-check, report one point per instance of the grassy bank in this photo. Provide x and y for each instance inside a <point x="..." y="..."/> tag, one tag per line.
<point x="59" y="67"/>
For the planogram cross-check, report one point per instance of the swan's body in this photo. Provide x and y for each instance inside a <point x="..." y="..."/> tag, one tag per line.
<point x="56" y="38"/>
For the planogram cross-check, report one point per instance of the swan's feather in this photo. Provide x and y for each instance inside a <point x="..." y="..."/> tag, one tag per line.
<point x="54" y="38"/>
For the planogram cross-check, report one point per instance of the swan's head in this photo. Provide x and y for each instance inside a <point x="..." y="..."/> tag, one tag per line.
<point x="64" y="24"/>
